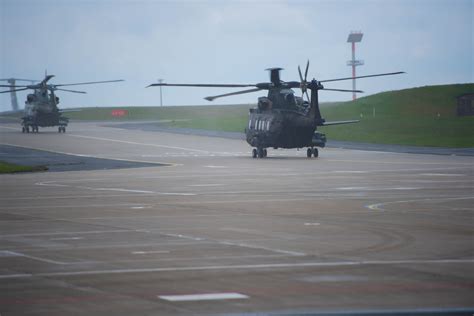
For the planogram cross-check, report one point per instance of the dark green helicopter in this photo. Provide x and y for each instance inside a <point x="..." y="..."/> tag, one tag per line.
<point x="281" y="119"/>
<point x="41" y="106"/>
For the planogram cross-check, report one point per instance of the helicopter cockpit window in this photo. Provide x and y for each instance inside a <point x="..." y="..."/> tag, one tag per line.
<point x="299" y="101"/>
<point x="289" y="96"/>
<point x="264" y="103"/>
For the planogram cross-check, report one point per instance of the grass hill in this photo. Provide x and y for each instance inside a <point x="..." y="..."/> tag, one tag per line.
<point x="424" y="116"/>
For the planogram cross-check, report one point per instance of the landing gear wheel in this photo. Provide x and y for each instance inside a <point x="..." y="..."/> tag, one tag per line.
<point x="60" y="129"/>
<point x="315" y="153"/>
<point x="27" y="129"/>
<point x="309" y="152"/>
<point x="23" y="129"/>
<point x="265" y="153"/>
<point x="260" y="153"/>
<point x="254" y="153"/>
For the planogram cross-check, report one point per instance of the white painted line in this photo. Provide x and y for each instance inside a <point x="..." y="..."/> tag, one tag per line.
<point x="286" y="252"/>
<point x="442" y="174"/>
<point x="203" y="297"/>
<point x="380" y="206"/>
<point x="19" y="254"/>
<point x="16" y="276"/>
<point x="74" y="233"/>
<point x="8" y="253"/>
<point x="149" y="252"/>
<point x="205" y="185"/>
<point x="50" y="183"/>
<point x="243" y="267"/>
<point x="116" y="189"/>
<point x="135" y="143"/>
<point x="164" y="164"/>
<point x="398" y="162"/>
<point x="375" y="189"/>
<point x="312" y="224"/>
<point x="215" y="166"/>
<point x="9" y="127"/>
<point x="67" y="238"/>
<point x="184" y="237"/>
<point x="45" y="260"/>
<point x="141" y="207"/>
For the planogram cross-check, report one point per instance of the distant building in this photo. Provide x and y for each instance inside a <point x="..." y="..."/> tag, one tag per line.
<point x="465" y="104"/>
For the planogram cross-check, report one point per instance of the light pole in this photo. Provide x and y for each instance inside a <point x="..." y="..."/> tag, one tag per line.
<point x="161" y="92"/>
<point x="354" y="37"/>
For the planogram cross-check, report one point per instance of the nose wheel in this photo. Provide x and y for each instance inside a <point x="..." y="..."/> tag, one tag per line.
<point x="312" y="152"/>
<point x="259" y="152"/>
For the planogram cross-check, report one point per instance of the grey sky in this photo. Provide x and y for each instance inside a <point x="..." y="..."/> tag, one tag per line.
<point x="229" y="42"/>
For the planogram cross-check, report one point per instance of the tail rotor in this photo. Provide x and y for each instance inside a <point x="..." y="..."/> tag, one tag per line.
<point x="304" y="82"/>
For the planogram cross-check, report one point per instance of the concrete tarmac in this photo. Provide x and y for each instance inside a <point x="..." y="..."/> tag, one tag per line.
<point x="216" y="232"/>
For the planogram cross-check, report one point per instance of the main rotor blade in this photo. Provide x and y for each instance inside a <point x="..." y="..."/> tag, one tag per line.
<point x="299" y="72"/>
<point x="212" y="98"/>
<point x="343" y="90"/>
<point x="339" y="122"/>
<point x="91" y="82"/>
<point x="69" y="110"/>
<point x="10" y="86"/>
<point x="7" y="91"/>
<point x="17" y="79"/>
<point x="201" y="85"/>
<point x="75" y="91"/>
<point x="306" y="71"/>
<point x="377" y="75"/>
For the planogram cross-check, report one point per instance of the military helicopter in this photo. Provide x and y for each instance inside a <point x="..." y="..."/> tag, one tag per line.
<point x="41" y="107"/>
<point x="281" y="119"/>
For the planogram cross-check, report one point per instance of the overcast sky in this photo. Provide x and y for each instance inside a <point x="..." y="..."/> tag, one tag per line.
<point x="229" y="42"/>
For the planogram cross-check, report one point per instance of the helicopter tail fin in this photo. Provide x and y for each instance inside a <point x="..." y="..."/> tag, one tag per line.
<point x="314" y="111"/>
<point x="46" y="79"/>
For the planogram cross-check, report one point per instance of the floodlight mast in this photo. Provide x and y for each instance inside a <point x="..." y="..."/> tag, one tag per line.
<point x="354" y="37"/>
<point x="15" y="107"/>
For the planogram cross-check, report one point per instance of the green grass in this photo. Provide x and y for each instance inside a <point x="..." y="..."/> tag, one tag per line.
<point x="213" y="117"/>
<point x="6" y="167"/>
<point x="194" y="113"/>
<point x="424" y="116"/>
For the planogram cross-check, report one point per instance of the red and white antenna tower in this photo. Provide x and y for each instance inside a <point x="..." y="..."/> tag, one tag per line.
<point x="354" y="37"/>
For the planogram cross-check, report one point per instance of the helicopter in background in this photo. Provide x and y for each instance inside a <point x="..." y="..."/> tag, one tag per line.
<point x="41" y="106"/>
<point x="281" y="119"/>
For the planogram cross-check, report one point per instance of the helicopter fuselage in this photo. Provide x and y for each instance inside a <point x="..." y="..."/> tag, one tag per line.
<point x="282" y="128"/>
<point x="41" y="111"/>
<point x="282" y="120"/>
